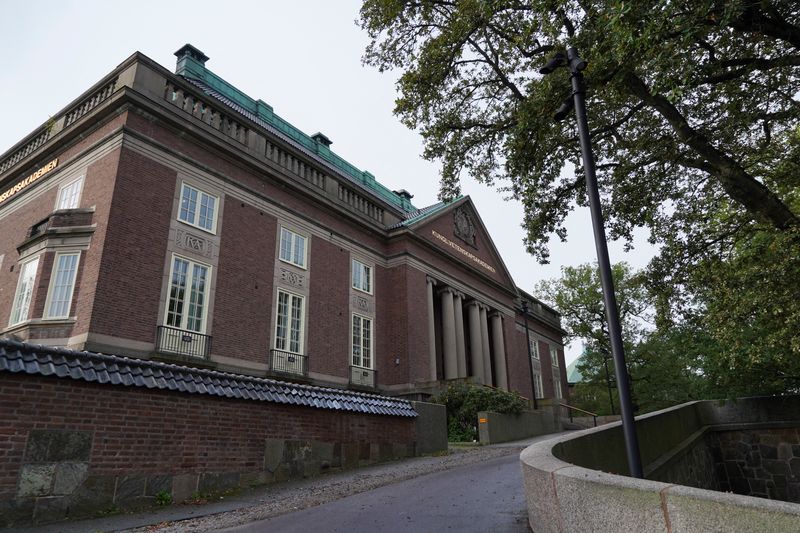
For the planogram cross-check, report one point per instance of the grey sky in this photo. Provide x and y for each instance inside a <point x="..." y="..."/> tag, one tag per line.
<point x="302" y="57"/>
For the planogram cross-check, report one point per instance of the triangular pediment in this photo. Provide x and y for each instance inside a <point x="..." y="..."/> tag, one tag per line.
<point x="457" y="230"/>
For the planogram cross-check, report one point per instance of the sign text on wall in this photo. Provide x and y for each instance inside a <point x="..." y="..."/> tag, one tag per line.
<point x="462" y="251"/>
<point x="27" y="181"/>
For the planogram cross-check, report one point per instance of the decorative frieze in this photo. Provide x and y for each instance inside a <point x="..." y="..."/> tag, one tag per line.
<point x="292" y="278"/>
<point x="362" y="304"/>
<point x="463" y="226"/>
<point x="193" y="243"/>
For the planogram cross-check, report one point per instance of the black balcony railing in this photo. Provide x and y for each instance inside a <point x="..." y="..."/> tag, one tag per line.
<point x="181" y="342"/>
<point x="288" y="362"/>
<point x="363" y="377"/>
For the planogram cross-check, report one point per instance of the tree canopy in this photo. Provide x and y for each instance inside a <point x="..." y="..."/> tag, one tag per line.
<point x="693" y="108"/>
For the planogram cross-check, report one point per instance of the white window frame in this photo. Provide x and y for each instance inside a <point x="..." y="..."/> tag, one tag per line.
<point x="21" y="301"/>
<point x="554" y="356"/>
<point x="293" y="237"/>
<point x="365" y="274"/>
<point x="534" y="346"/>
<point x="195" y="219"/>
<point x="557" y="386"/>
<point x="538" y="385"/>
<point x="184" y="316"/>
<point x="48" y="312"/>
<point x="287" y="340"/>
<point x="60" y="198"/>
<point x="371" y="347"/>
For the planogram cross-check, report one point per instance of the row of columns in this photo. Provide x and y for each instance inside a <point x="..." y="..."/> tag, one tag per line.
<point x="454" y="342"/>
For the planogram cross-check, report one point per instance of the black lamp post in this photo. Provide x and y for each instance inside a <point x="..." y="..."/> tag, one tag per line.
<point x="576" y="66"/>
<point x="530" y="360"/>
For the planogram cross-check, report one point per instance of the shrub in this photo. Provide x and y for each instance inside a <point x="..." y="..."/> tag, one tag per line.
<point x="463" y="402"/>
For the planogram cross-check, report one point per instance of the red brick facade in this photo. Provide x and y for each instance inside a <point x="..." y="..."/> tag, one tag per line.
<point x="136" y="149"/>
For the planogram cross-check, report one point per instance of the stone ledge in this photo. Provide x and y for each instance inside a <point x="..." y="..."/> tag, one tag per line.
<point x="564" y="497"/>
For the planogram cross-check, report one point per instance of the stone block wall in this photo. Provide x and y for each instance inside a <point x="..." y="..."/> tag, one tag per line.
<point x="70" y="448"/>
<point x="758" y="462"/>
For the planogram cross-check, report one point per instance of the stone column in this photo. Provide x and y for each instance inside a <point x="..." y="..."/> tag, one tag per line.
<point x="431" y="332"/>
<point x="461" y="349"/>
<point x="487" y="363"/>
<point x="499" y="351"/>
<point x="449" y="335"/>
<point x="475" y="342"/>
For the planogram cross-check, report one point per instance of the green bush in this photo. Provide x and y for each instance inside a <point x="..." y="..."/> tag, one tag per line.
<point x="464" y="401"/>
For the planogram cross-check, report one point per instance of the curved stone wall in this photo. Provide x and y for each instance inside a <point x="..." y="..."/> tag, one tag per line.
<point x="578" y="482"/>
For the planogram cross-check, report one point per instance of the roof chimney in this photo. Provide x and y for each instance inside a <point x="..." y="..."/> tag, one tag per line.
<point x="322" y="139"/>
<point x="189" y="50"/>
<point x="191" y="62"/>
<point x="402" y="193"/>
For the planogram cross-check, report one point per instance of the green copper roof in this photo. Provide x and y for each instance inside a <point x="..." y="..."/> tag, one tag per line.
<point x="573" y="374"/>
<point x="191" y="65"/>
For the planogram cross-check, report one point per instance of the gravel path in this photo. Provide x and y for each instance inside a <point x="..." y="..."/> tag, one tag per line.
<point x="274" y="500"/>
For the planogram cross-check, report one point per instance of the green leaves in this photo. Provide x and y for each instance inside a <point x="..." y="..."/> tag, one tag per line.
<point x="717" y="85"/>
<point x="463" y="402"/>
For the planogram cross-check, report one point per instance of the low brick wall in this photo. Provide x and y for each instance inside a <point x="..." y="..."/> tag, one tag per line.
<point x="69" y="448"/>
<point x="579" y="483"/>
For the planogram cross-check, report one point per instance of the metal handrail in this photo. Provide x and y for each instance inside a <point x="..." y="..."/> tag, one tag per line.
<point x="571" y="408"/>
<point x="177" y="341"/>
<point x="288" y="362"/>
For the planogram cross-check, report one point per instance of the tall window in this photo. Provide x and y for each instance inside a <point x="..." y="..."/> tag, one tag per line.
<point x="557" y="386"/>
<point x="537" y="381"/>
<point x="62" y="285"/>
<point x="362" y="276"/>
<point x="198" y="208"/>
<point x="554" y="356"/>
<point x="362" y="341"/>
<point x="70" y="194"/>
<point x="22" y="299"/>
<point x="534" y="345"/>
<point x="293" y="248"/>
<point x="289" y="323"/>
<point x="188" y="287"/>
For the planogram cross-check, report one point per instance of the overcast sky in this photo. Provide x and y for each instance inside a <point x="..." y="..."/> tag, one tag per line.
<point x="302" y="57"/>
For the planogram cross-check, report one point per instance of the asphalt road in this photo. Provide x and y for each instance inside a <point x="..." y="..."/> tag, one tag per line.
<point x="486" y="496"/>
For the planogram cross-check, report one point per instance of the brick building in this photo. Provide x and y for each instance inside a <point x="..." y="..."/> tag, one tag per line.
<point x="170" y="216"/>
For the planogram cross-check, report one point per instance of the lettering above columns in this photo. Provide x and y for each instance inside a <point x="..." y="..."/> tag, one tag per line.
<point x="462" y="251"/>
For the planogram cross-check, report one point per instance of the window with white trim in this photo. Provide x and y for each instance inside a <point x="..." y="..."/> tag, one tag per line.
<point x="62" y="285"/>
<point x="362" y="276"/>
<point x="24" y="294"/>
<point x="69" y="195"/>
<point x="534" y="346"/>
<point x="537" y="380"/>
<point x="362" y="341"/>
<point x="198" y="208"/>
<point x="188" y="294"/>
<point x="293" y="248"/>
<point x="554" y="356"/>
<point x="289" y="322"/>
<point x="557" y="386"/>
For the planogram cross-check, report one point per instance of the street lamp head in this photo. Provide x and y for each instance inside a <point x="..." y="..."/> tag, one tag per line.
<point x="558" y="60"/>
<point x="564" y="109"/>
<point x="524" y="307"/>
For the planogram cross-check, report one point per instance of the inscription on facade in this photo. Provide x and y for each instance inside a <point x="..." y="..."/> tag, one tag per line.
<point x="193" y="243"/>
<point x="362" y="304"/>
<point x="293" y="278"/>
<point x="462" y="251"/>
<point x="27" y="181"/>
